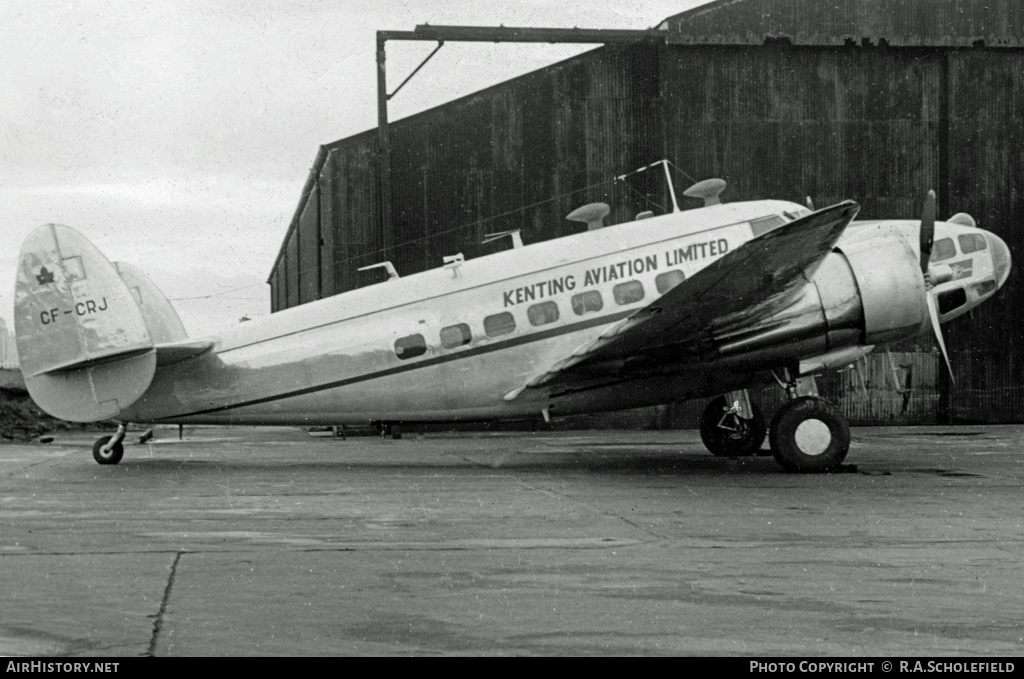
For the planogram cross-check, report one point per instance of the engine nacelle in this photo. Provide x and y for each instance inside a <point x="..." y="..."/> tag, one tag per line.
<point x="867" y="294"/>
<point x="891" y="286"/>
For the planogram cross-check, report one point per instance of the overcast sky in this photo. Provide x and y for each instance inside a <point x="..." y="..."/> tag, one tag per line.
<point x="177" y="135"/>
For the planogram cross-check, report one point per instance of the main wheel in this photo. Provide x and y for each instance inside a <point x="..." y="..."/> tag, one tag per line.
<point x="112" y="456"/>
<point x="809" y="435"/>
<point x="729" y="435"/>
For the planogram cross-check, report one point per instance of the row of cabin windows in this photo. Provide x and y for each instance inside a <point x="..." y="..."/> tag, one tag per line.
<point x="542" y="313"/>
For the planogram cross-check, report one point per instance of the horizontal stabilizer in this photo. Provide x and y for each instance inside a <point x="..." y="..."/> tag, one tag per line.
<point x="77" y="364"/>
<point x="176" y="352"/>
<point x="83" y="344"/>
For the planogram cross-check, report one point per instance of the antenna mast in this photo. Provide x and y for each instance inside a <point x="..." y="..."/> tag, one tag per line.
<point x="671" y="189"/>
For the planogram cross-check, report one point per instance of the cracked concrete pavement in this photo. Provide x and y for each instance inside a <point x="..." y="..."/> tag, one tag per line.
<point x="274" y="542"/>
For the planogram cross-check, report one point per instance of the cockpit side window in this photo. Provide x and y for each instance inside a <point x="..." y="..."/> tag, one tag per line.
<point x="951" y="300"/>
<point x="971" y="242"/>
<point x="943" y="249"/>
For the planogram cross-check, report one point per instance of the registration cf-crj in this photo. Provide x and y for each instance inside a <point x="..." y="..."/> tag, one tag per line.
<point x="705" y="302"/>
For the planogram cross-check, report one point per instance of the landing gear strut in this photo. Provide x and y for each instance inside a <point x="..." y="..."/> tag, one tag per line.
<point x="808" y="434"/>
<point x="732" y="427"/>
<point x="109" y="449"/>
<point x="386" y="429"/>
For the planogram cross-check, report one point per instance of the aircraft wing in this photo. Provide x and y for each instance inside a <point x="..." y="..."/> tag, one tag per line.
<point x="720" y="301"/>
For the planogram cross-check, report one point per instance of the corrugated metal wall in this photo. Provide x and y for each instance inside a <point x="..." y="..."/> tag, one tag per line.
<point x="790" y="122"/>
<point x="986" y="180"/>
<point x="880" y="125"/>
<point x="818" y="22"/>
<point x="467" y="169"/>
<point x="551" y="141"/>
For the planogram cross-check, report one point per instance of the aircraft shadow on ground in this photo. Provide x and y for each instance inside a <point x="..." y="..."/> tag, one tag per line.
<point x="623" y="463"/>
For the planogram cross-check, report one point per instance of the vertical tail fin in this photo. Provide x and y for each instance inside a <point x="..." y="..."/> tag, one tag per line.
<point x="162" y="321"/>
<point x="83" y="343"/>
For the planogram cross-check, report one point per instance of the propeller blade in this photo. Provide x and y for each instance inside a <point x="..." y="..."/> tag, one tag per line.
<point x="933" y="313"/>
<point x="927" y="230"/>
<point x="908" y="390"/>
<point x="810" y="204"/>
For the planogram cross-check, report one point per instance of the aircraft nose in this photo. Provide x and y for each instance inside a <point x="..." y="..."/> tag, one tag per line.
<point x="1000" y="257"/>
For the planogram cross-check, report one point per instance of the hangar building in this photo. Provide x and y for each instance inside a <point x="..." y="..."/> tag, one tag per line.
<point x="876" y="101"/>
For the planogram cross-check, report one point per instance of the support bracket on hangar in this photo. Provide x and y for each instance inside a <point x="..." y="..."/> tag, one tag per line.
<point x="441" y="34"/>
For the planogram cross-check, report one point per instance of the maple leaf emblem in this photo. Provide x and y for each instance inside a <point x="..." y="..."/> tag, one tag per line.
<point x="44" y="276"/>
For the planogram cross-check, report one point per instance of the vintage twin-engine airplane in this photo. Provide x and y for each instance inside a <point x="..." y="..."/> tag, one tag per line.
<point x="696" y="303"/>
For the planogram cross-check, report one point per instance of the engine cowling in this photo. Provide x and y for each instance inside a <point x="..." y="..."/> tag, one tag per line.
<point x="891" y="288"/>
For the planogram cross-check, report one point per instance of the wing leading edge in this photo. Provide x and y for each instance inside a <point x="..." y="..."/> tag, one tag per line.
<point x="744" y="286"/>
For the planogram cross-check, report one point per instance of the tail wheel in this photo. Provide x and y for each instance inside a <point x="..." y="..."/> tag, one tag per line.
<point x="727" y="434"/>
<point x="112" y="456"/>
<point x="809" y="435"/>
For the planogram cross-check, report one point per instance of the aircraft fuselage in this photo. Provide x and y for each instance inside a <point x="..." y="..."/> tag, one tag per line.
<point x="450" y="343"/>
<point x="334" y="361"/>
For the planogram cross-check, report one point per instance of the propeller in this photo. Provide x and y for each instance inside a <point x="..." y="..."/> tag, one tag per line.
<point x="927" y="238"/>
<point x="933" y="312"/>
<point x="927" y="234"/>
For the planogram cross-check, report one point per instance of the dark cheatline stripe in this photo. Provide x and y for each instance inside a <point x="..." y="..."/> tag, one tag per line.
<point x="437" y="360"/>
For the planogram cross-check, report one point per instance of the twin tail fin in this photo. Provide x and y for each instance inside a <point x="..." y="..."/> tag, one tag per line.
<point x="87" y="330"/>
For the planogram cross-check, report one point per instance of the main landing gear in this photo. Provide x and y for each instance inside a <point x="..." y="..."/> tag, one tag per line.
<point x="732" y="426"/>
<point x="807" y="435"/>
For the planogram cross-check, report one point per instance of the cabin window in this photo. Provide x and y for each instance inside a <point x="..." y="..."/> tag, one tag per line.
<point x="499" y="324"/>
<point x="765" y="224"/>
<point x="587" y="302"/>
<point x="455" y="336"/>
<point x="952" y="300"/>
<point x="543" y="313"/>
<point x="668" y="280"/>
<point x="410" y="346"/>
<point x="943" y="249"/>
<point x="971" y="242"/>
<point x="628" y="292"/>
